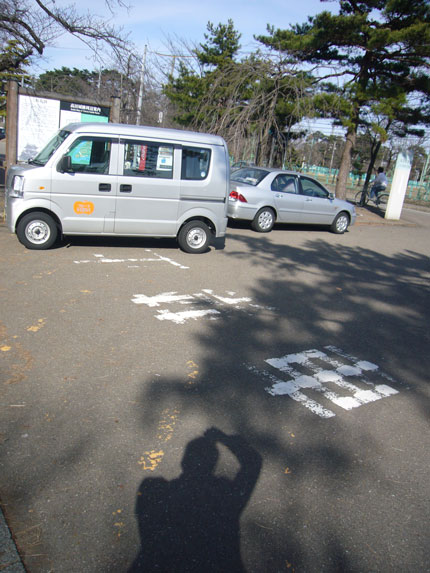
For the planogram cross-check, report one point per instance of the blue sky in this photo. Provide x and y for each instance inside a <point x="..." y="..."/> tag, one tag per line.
<point x="152" y="23"/>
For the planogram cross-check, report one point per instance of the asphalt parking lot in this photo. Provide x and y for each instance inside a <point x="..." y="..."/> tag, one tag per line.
<point x="260" y="407"/>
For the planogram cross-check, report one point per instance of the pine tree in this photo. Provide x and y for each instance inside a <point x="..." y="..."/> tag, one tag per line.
<point x="12" y="68"/>
<point x="378" y="49"/>
<point x="190" y="87"/>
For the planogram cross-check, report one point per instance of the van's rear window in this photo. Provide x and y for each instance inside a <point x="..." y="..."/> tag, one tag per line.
<point x="195" y="163"/>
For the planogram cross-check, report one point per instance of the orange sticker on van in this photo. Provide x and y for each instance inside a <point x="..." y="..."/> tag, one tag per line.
<point x="83" y="207"/>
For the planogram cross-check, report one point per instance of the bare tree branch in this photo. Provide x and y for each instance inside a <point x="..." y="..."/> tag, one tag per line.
<point x="36" y="24"/>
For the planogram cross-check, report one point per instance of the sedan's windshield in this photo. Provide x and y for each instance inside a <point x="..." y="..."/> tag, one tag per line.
<point x="249" y="175"/>
<point x="52" y="146"/>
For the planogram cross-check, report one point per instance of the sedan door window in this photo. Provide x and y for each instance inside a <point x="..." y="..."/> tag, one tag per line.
<point x="311" y="188"/>
<point x="285" y="184"/>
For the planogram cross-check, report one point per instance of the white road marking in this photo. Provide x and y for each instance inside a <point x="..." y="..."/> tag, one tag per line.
<point x="206" y="296"/>
<point x="227" y="300"/>
<point x="308" y="373"/>
<point x="156" y="258"/>
<point x="162" y="298"/>
<point x="181" y="317"/>
<point x="280" y="387"/>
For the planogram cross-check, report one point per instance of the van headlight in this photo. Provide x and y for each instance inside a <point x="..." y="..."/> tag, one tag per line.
<point x="17" y="189"/>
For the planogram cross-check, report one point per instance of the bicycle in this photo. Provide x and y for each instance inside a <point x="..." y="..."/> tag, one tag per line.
<point x="381" y="198"/>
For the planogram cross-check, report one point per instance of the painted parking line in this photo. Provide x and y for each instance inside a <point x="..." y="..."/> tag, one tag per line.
<point x="154" y="258"/>
<point x="339" y="377"/>
<point x="213" y="304"/>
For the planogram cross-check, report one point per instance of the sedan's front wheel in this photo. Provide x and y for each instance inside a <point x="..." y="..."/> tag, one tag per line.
<point x="264" y="220"/>
<point x="341" y="223"/>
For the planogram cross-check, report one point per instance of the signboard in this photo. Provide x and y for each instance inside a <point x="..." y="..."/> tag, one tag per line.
<point x="76" y="112"/>
<point x="37" y="121"/>
<point x="39" y="118"/>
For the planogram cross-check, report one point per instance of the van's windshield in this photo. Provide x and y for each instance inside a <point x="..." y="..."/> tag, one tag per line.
<point x="52" y="146"/>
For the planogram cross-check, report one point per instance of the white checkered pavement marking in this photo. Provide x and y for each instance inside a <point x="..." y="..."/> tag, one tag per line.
<point x="314" y="376"/>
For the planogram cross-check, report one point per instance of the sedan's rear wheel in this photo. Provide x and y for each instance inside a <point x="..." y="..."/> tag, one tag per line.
<point x="341" y="223"/>
<point x="264" y="220"/>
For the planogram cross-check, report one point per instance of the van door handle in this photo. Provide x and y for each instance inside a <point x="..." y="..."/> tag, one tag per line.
<point x="104" y="187"/>
<point x="125" y="188"/>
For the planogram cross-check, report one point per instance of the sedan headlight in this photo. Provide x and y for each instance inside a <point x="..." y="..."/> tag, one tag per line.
<point x="17" y="189"/>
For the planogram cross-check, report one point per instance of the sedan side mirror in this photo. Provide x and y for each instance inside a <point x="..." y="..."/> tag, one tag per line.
<point x="331" y="196"/>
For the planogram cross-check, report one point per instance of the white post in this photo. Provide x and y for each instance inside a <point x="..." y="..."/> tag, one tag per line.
<point x="399" y="185"/>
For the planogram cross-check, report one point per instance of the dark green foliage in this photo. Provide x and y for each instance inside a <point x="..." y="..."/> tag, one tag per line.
<point x="67" y="81"/>
<point x="378" y="49"/>
<point x="190" y="87"/>
<point x="12" y="62"/>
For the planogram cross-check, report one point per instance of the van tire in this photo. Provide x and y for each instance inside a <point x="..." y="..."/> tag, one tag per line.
<point x="194" y="237"/>
<point x="37" y="231"/>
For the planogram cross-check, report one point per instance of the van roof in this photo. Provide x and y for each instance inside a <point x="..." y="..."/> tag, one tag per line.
<point x="144" y="131"/>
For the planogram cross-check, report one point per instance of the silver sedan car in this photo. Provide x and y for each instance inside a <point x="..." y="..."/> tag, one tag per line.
<point x="268" y="196"/>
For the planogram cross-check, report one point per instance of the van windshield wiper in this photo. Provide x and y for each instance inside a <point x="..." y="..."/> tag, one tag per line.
<point x="35" y="162"/>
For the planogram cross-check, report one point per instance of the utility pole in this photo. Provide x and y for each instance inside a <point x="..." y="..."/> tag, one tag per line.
<point x="332" y="156"/>
<point x="11" y="122"/>
<point x="142" y="75"/>
<point x="425" y="168"/>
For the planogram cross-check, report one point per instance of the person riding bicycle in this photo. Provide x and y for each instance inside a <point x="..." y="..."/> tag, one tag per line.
<point x="379" y="184"/>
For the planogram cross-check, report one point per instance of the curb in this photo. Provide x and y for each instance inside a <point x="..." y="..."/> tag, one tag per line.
<point x="10" y="561"/>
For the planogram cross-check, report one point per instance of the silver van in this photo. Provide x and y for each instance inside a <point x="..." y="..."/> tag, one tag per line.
<point x="121" y="180"/>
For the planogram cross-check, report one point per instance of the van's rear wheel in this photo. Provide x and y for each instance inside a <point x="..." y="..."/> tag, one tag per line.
<point x="194" y="237"/>
<point x="37" y="231"/>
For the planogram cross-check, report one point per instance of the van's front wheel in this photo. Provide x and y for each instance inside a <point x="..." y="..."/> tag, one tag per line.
<point x="194" y="237"/>
<point x="37" y="231"/>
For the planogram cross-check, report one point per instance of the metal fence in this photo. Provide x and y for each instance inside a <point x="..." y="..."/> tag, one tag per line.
<point x="416" y="191"/>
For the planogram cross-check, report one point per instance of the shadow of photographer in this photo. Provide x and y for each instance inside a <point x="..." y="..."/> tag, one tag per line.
<point x="192" y="522"/>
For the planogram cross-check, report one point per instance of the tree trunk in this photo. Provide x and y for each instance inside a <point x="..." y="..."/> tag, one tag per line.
<point x="345" y="163"/>
<point x="373" y="156"/>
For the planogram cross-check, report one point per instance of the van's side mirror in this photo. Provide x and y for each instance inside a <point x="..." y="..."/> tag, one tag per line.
<point x="331" y="195"/>
<point x="65" y="165"/>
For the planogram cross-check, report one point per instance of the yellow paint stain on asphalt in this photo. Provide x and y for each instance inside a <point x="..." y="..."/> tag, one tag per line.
<point x="22" y="360"/>
<point x="120" y="525"/>
<point x="86" y="291"/>
<point x="194" y="373"/>
<point x="167" y="424"/>
<point x="36" y="327"/>
<point x="150" y="460"/>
